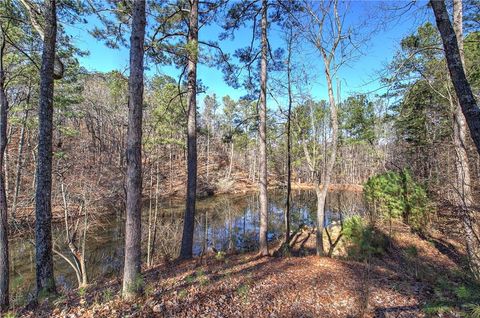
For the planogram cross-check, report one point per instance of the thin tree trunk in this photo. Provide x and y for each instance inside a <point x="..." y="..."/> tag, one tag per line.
<point x="132" y="282"/>
<point x="457" y="73"/>
<point x="78" y="265"/>
<point x="6" y="163"/>
<point x="83" y="266"/>
<point x="189" y="218"/>
<point x="462" y="167"/>
<point x="208" y="150"/>
<point x="205" y="234"/>
<point x="155" y="215"/>
<point x="150" y="215"/>
<point x="18" y="173"/>
<point x="43" y="190"/>
<point x="231" y="161"/>
<point x="289" y="141"/>
<point x="170" y="175"/>
<point x="254" y="167"/>
<point x="4" y="259"/>
<point x="330" y="164"/>
<point x="263" y="137"/>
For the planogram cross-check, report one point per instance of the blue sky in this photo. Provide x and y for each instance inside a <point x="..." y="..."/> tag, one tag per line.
<point x="360" y="75"/>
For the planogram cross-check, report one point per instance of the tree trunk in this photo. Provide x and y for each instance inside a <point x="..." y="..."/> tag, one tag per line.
<point x="289" y="141"/>
<point x="463" y="171"/>
<point x="231" y="161"/>
<point x="43" y="191"/>
<point x="330" y="164"/>
<point x="150" y="215"/>
<point x="189" y="218"/>
<point x="132" y="282"/>
<point x="4" y="260"/>
<point x="263" y="137"/>
<point x="6" y="164"/>
<point x="170" y="158"/>
<point x="320" y="218"/>
<point x="155" y="216"/>
<point x="83" y="265"/>
<point x="457" y="73"/>
<point x="18" y="173"/>
<point x="208" y="150"/>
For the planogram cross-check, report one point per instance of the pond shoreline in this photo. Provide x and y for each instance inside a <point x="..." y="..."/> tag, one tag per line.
<point x="224" y="223"/>
<point x="26" y="222"/>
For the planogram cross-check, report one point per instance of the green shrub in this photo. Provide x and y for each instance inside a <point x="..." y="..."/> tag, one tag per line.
<point x="459" y="299"/>
<point x="108" y="295"/>
<point x="220" y="256"/>
<point x="392" y="195"/>
<point x="363" y="241"/>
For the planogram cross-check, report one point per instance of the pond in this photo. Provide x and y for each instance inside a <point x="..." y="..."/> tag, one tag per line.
<point x="223" y="222"/>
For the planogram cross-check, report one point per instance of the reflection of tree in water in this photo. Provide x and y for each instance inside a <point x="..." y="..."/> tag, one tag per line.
<point x="224" y="223"/>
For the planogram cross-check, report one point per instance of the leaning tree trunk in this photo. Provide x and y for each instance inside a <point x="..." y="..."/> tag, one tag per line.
<point x="463" y="171"/>
<point x="457" y="73"/>
<point x="43" y="190"/>
<point x="4" y="261"/>
<point x="132" y="282"/>
<point x="189" y="218"/>
<point x="263" y="137"/>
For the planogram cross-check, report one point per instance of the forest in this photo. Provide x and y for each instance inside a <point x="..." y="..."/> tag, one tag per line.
<point x="239" y="158"/>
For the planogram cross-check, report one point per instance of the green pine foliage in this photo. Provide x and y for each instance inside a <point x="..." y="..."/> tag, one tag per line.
<point x="393" y="195"/>
<point x="363" y="241"/>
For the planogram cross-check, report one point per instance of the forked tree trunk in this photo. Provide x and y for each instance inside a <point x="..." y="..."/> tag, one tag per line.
<point x="322" y="195"/>
<point x="78" y="264"/>
<point x="132" y="281"/>
<point x="43" y="190"/>
<point x="189" y="218"/>
<point x="4" y="259"/>
<point x="263" y="137"/>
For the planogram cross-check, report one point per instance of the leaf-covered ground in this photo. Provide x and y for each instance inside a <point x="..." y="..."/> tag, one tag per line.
<point x="400" y="283"/>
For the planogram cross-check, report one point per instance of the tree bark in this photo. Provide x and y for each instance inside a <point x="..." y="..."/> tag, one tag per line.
<point x="463" y="170"/>
<point x="231" y="161"/>
<point x="322" y="196"/>
<point x="132" y="282"/>
<point x="155" y="215"/>
<point x="43" y="191"/>
<point x="208" y="149"/>
<point x="189" y="218"/>
<point x="4" y="259"/>
<point x="457" y="73"/>
<point x="150" y="215"/>
<point x="18" y="173"/>
<point x="289" y="141"/>
<point x="263" y="136"/>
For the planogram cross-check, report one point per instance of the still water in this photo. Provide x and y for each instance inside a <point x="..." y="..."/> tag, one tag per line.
<point x="223" y="222"/>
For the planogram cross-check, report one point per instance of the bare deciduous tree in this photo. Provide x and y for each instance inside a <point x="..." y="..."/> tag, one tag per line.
<point x="326" y="31"/>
